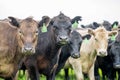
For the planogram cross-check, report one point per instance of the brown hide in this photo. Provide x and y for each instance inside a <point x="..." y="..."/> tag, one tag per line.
<point x="13" y="40"/>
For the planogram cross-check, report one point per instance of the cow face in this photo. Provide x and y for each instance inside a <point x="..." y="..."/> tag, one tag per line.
<point x="62" y="28"/>
<point x="107" y="25"/>
<point x="100" y="37"/>
<point x="75" y="43"/>
<point x="27" y="34"/>
<point x="115" y="54"/>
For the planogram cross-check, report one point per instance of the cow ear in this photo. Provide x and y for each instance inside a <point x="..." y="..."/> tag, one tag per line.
<point x="13" y="21"/>
<point x="112" y="34"/>
<point x="115" y="25"/>
<point x="91" y="32"/>
<point x="83" y="26"/>
<point x="77" y="18"/>
<point x="87" y="36"/>
<point x="96" y="25"/>
<point x="45" y="20"/>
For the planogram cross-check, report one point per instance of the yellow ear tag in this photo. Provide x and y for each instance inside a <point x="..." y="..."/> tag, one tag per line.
<point x="113" y="37"/>
<point x="86" y="40"/>
<point x="75" y="25"/>
<point x="44" y="28"/>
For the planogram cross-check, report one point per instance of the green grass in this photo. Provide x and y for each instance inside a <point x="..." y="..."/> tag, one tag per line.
<point x="60" y="76"/>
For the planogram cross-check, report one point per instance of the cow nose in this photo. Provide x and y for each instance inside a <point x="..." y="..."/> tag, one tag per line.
<point x="103" y="53"/>
<point x="76" y="55"/>
<point x="116" y="65"/>
<point x="63" y="38"/>
<point x="28" y="48"/>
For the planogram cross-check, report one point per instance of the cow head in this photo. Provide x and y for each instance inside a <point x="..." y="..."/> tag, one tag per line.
<point x="62" y="27"/>
<point x="27" y="34"/>
<point x="115" y="54"/>
<point x="107" y="25"/>
<point x="94" y="25"/>
<point x="75" y="43"/>
<point x="100" y="37"/>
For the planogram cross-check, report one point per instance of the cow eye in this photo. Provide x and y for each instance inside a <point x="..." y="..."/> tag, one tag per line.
<point x="69" y="27"/>
<point x="70" y="42"/>
<point x="20" y="32"/>
<point x="80" y="42"/>
<point x="55" y="26"/>
<point x="96" y="39"/>
<point x="36" y="32"/>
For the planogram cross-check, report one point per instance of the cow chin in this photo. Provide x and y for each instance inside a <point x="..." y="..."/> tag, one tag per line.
<point x="62" y="42"/>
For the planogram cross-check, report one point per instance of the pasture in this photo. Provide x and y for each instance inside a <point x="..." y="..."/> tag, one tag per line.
<point x="60" y="76"/>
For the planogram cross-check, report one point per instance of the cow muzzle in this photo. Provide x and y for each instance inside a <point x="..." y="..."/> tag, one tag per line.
<point x="63" y="39"/>
<point x="102" y="53"/>
<point x="28" y="50"/>
<point x="116" y="65"/>
<point x="75" y="55"/>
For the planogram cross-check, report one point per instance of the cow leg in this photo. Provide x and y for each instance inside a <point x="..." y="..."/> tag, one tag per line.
<point x="97" y="76"/>
<point x="8" y="79"/>
<point x="111" y="75"/>
<point x="77" y="68"/>
<point x="27" y="75"/>
<point x="17" y="74"/>
<point x="119" y="74"/>
<point x="33" y="72"/>
<point x="91" y="73"/>
<point x="66" y="74"/>
<point x="103" y="74"/>
<point x="32" y="69"/>
<point x="50" y="77"/>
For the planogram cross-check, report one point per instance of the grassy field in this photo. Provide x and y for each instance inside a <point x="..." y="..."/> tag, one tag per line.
<point x="60" y="76"/>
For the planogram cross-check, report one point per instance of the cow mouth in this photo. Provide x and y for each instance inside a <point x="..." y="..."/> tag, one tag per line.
<point x="63" y="42"/>
<point x="117" y="66"/>
<point x="75" y="57"/>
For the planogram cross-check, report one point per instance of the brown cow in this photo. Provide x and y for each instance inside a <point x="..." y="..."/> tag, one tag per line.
<point x="16" y="40"/>
<point x="97" y="45"/>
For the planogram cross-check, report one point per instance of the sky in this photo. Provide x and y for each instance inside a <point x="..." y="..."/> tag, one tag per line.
<point x="89" y="10"/>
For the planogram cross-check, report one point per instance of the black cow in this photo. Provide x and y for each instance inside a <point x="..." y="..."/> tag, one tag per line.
<point x="72" y="49"/>
<point x="45" y="59"/>
<point x="94" y="25"/>
<point x="106" y="24"/>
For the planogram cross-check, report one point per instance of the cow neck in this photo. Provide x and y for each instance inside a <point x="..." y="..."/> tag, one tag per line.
<point x="93" y="52"/>
<point x="118" y="37"/>
<point x="18" y="48"/>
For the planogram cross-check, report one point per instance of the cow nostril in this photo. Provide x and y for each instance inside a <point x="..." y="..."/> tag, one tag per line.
<point x="101" y="52"/>
<point x="60" y="38"/>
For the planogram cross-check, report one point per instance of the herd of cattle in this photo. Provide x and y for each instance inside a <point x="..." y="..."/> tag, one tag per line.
<point x="48" y="45"/>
